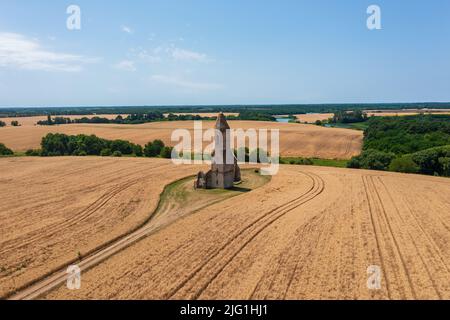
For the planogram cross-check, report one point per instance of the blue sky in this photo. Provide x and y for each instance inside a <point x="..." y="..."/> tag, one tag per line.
<point x="223" y="52"/>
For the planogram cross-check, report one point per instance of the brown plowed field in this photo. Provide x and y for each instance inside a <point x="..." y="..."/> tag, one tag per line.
<point x="310" y="233"/>
<point x="295" y="139"/>
<point x="53" y="209"/>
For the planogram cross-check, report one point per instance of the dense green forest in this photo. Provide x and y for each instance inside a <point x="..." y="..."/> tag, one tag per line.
<point x="407" y="134"/>
<point x="286" y="109"/>
<point x="411" y="144"/>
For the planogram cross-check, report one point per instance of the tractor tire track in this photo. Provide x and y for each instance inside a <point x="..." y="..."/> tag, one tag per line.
<point x="376" y="234"/>
<point x="246" y="235"/>
<point x="389" y="231"/>
<point x="434" y="254"/>
<point x="81" y="216"/>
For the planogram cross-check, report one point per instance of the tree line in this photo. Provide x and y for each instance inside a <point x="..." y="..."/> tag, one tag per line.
<point x="409" y="144"/>
<point x="57" y="144"/>
<point x="141" y="118"/>
<point x="287" y="109"/>
<point x="349" y="116"/>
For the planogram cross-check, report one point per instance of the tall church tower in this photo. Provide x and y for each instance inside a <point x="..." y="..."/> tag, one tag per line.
<point x="223" y="162"/>
<point x="224" y="169"/>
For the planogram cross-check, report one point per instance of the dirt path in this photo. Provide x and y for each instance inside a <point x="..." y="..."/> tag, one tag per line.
<point x="178" y="200"/>
<point x="311" y="233"/>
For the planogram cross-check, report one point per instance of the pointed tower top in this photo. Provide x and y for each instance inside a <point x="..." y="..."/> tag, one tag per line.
<point x="221" y="123"/>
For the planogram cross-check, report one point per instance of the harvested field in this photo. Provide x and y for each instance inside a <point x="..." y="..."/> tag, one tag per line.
<point x="313" y="117"/>
<point x="404" y="113"/>
<point x="310" y="233"/>
<point x="52" y="210"/>
<point x="295" y="139"/>
<point x="203" y="114"/>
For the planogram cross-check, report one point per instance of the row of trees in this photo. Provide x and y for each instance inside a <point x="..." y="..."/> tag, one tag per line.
<point x="140" y="118"/>
<point x="433" y="161"/>
<point x="253" y="116"/>
<point x="56" y="144"/>
<point x="413" y="144"/>
<point x="343" y="116"/>
<point x="271" y="109"/>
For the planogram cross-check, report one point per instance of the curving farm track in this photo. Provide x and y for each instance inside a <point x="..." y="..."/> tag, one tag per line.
<point x="310" y="233"/>
<point x="54" y="211"/>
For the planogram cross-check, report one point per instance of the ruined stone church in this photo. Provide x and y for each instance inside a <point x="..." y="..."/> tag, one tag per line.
<point x="223" y="174"/>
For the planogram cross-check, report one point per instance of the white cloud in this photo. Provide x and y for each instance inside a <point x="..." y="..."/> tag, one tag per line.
<point x="151" y="57"/>
<point x="184" y="84"/>
<point x="127" y="29"/>
<point x="18" y="51"/>
<point x="167" y="53"/>
<point x="188" y="55"/>
<point x="126" y="65"/>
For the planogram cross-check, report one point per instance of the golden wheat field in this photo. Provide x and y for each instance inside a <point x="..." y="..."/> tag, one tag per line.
<point x="32" y="121"/>
<point x="307" y="233"/>
<point x="295" y="139"/>
<point x="313" y="117"/>
<point x="203" y="114"/>
<point x="53" y="210"/>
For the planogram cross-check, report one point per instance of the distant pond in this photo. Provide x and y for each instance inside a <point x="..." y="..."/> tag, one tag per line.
<point x="283" y="120"/>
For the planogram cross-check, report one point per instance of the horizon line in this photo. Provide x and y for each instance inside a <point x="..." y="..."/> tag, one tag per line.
<point x="227" y="105"/>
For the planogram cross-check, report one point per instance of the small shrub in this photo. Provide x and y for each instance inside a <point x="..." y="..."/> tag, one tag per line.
<point x="354" y="163"/>
<point x="4" y="151"/>
<point x="372" y="159"/>
<point x="404" y="164"/>
<point x="166" y="153"/>
<point x="153" y="149"/>
<point x="137" y="150"/>
<point x="445" y="164"/>
<point x="117" y="154"/>
<point x="106" y="153"/>
<point x="33" y="153"/>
